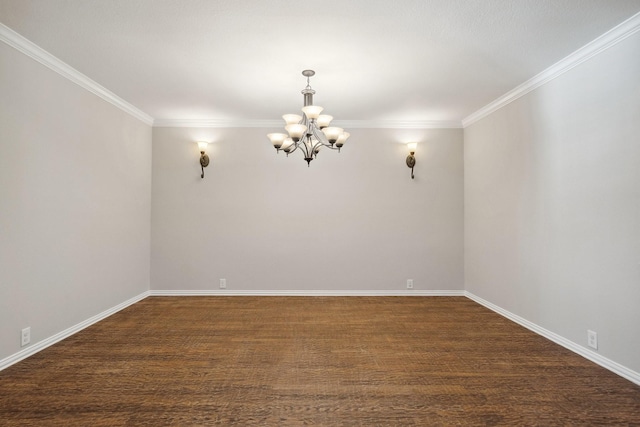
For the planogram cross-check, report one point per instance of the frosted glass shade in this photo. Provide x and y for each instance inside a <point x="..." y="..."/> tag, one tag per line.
<point x="287" y="144"/>
<point x="342" y="138"/>
<point x="332" y="133"/>
<point x="412" y="146"/>
<point x="292" y="119"/>
<point x="202" y="145"/>
<point x="312" y="111"/>
<point x="277" y="139"/>
<point x="296" y="131"/>
<point x="324" y="120"/>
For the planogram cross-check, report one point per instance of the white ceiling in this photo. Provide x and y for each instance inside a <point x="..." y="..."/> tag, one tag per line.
<point x="403" y="60"/>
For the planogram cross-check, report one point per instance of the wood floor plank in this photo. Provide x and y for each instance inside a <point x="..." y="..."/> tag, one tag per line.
<point x="328" y="361"/>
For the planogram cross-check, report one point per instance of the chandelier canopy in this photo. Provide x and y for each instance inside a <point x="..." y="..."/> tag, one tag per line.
<point x="308" y="132"/>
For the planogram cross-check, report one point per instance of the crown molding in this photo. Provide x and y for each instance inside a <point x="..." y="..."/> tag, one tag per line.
<point x="215" y="123"/>
<point x="606" y="363"/>
<point x="588" y="51"/>
<point x="350" y="124"/>
<point x="33" y="51"/>
<point x="399" y="124"/>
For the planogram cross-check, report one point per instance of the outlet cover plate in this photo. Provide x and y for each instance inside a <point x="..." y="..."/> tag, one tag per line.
<point x="592" y="339"/>
<point x="25" y="336"/>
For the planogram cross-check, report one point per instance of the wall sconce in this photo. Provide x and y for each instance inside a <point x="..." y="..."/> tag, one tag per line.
<point x="204" y="159"/>
<point x="411" y="158"/>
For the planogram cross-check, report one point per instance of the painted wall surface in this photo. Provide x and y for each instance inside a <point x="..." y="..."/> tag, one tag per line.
<point x="552" y="204"/>
<point x="352" y="221"/>
<point x="74" y="203"/>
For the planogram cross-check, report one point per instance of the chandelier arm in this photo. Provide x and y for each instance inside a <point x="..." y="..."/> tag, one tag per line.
<point x="317" y="144"/>
<point x="305" y="147"/>
<point x="295" y="147"/>
<point x="320" y="136"/>
<point x="316" y="147"/>
<point x="302" y="143"/>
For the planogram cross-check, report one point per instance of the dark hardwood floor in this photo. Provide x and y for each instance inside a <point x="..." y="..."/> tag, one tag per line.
<point x="329" y="361"/>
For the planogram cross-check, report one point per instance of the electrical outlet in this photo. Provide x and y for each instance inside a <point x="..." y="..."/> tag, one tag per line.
<point x="592" y="339"/>
<point x="25" y="336"/>
<point x="223" y="283"/>
<point x="409" y="283"/>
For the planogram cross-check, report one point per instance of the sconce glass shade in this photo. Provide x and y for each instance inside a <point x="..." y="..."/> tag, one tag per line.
<point x="412" y="146"/>
<point x="324" y="120"/>
<point x="312" y="111"/>
<point x="332" y="133"/>
<point x="277" y="139"/>
<point x="202" y="145"/>
<point x="292" y="119"/>
<point x="296" y="131"/>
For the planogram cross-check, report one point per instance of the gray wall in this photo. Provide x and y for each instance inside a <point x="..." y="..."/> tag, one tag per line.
<point x="352" y="221"/>
<point x="552" y="204"/>
<point x="75" y="178"/>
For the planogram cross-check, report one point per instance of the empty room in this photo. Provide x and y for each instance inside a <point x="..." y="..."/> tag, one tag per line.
<point x="338" y="213"/>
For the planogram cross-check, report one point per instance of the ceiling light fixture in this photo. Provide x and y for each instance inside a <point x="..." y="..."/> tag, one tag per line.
<point x="308" y="132"/>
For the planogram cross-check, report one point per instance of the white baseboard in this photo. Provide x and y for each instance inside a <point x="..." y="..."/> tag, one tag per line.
<point x="313" y="293"/>
<point x="609" y="364"/>
<point x="41" y="345"/>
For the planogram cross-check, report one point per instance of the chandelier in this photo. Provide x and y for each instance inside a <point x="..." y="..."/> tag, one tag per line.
<point x="308" y="132"/>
